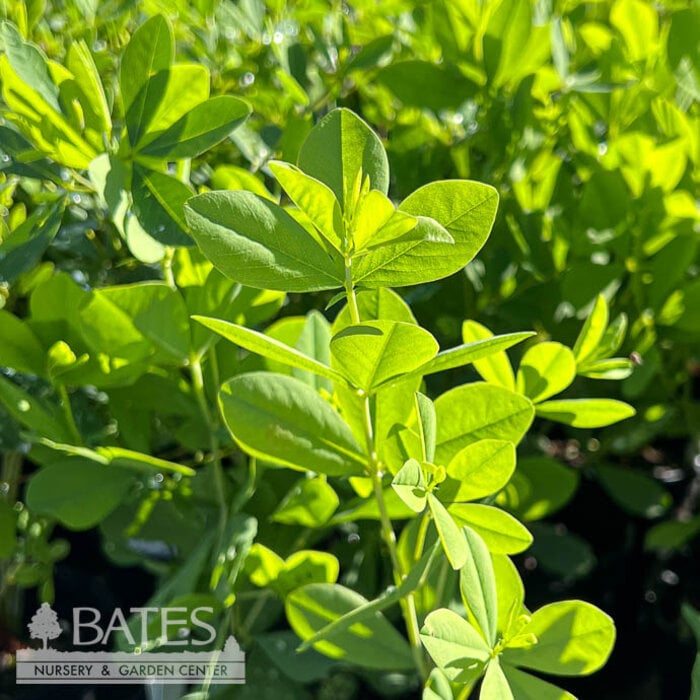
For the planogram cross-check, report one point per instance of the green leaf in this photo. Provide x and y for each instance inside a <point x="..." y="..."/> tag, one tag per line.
<point x="314" y="198"/>
<point x="478" y="587"/>
<point x="164" y="98"/>
<point x="509" y="590"/>
<point x="269" y="347"/>
<point x="262" y="565"/>
<point x="202" y="127"/>
<point x="695" y="679"/>
<point x="613" y="368"/>
<point x="314" y="341"/>
<point x="233" y="177"/>
<point x="561" y="553"/>
<point x="426" y="85"/>
<point x="495" y="368"/>
<point x="502" y="533"/>
<point x="30" y="64"/>
<point x="465" y="209"/>
<point x="280" y="650"/>
<point x="478" y="411"/>
<point x="150" y="50"/>
<point x="573" y="639"/>
<point x="528" y="687"/>
<point x="158" y="202"/>
<point x="452" y="538"/>
<point x="311" y="503"/>
<point x="32" y="413"/>
<point x="427" y="424"/>
<point x="692" y="617"/>
<point x="370" y="55"/>
<point x="376" y="304"/>
<point x="478" y="470"/>
<point x="110" y="176"/>
<point x="123" y="321"/>
<point x="16" y="147"/>
<point x="495" y="685"/>
<point x="49" y="130"/>
<point x="377" y="222"/>
<point x="307" y="567"/>
<point x="20" y="349"/>
<point x="78" y="492"/>
<point x="539" y="487"/>
<point x="438" y="687"/>
<point x="283" y="420"/>
<point x="338" y="149"/>
<point x="472" y="352"/>
<point x="375" y="352"/>
<point x="373" y="643"/>
<point x="670" y="535"/>
<point x="96" y="111"/>
<point x="593" y="331"/>
<point x="255" y="242"/>
<point x="455" y="646"/>
<point x="409" y="484"/>
<point x="638" y="23"/>
<point x="23" y="248"/>
<point x="635" y="493"/>
<point x="545" y="370"/>
<point x="585" y="413"/>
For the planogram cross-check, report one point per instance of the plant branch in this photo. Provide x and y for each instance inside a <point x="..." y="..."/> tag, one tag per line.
<point x="167" y="265"/>
<point x="219" y="478"/>
<point x="350" y="292"/>
<point x="408" y="605"/>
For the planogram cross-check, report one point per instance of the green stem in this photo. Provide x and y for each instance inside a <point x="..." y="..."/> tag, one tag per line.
<point x="420" y="537"/>
<point x="350" y="292"/>
<point x="219" y="477"/>
<point x="167" y="264"/>
<point x="83" y="181"/>
<point x="68" y="414"/>
<point x="248" y="489"/>
<point x="254" y="612"/>
<point x="408" y="605"/>
<point x="184" y="167"/>
<point x="11" y="472"/>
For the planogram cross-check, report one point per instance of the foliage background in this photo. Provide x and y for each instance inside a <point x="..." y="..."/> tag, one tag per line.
<point x="585" y="118"/>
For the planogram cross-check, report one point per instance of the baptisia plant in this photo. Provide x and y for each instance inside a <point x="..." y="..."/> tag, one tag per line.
<point x="346" y="404"/>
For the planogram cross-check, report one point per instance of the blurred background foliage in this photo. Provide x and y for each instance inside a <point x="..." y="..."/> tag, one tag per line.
<point x="586" y="118"/>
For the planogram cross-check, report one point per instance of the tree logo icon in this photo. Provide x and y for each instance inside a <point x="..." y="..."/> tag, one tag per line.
<point x="44" y="624"/>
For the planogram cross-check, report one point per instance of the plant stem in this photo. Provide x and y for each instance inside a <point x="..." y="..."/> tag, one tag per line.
<point x="420" y="537"/>
<point x="167" y="265"/>
<point x="408" y="605"/>
<point x="248" y="488"/>
<point x="11" y="472"/>
<point x="68" y="414"/>
<point x="184" y="167"/>
<point x="219" y="477"/>
<point x="350" y="292"/>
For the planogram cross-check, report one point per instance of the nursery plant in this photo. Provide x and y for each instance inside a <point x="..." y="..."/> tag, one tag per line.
<point x="210" y="343"/>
